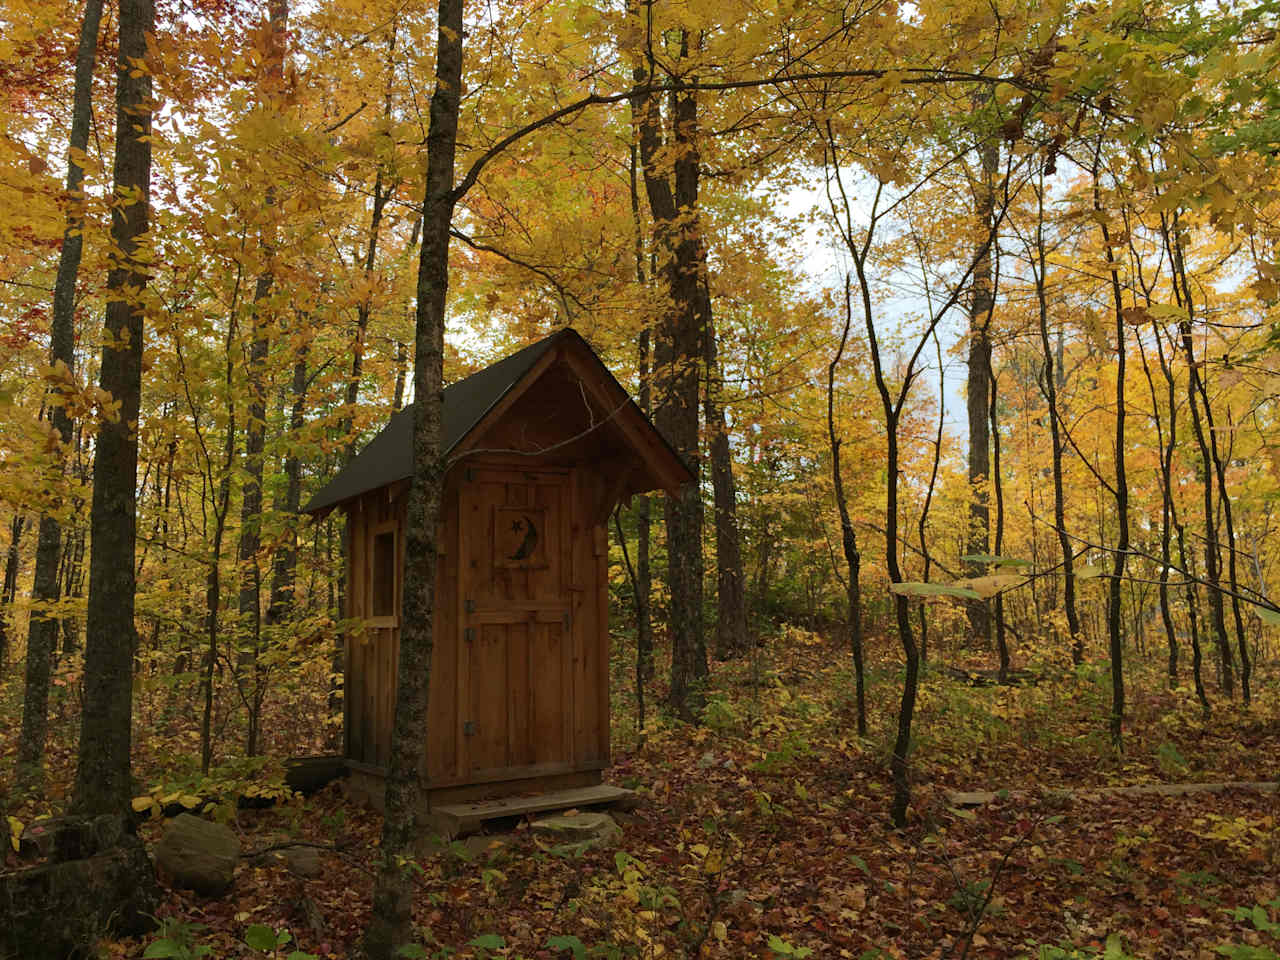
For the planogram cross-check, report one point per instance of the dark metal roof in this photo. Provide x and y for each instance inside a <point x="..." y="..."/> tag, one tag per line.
<point x="389" y="456"/>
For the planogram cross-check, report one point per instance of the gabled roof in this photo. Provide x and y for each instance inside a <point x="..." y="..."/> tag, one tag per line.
<point x="388" y="458"/>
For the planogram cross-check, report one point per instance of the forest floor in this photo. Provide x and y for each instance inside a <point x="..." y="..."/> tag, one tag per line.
<point x="764" y="832"/>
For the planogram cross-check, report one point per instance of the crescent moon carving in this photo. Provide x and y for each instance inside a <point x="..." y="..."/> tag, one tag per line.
<point x="530" y="542"/>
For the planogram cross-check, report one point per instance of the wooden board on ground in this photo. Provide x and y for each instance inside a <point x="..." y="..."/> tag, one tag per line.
<point x="978" y="798"/>
<point x="459" y="819"/>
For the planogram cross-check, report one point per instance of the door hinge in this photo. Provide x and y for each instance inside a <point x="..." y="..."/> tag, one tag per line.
<point x="568" y="619"/>
<point x="468" y="728"/>
<point x="471" y="475"/>
<point x="469" y="605"/>
<point x="469" y="634"/>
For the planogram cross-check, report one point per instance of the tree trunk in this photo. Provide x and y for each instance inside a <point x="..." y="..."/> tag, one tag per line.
<point x="1167" y="508"/>
<point x="1197" y="659"/>
<point x="1217" y="612"/>
<point x="732" y="639"/>
<point x="978" y="389"/>
<point x="250" y="600"/>
<point x="10" y="587"/>
<point x="102" y="782"/>
<point x="676" y="360"/>
<point x="42" y="634"/>
<point x="643" y="575"/>
<point x="848" y="536"/>
<point x="922" y="526"/>
<point x="402" y="361"/>
<point x="1115" y="625"/>
<point x="1002" y="645"/>
<point x="899" y="762"/>
<point x="1053" y="381"/>
<point x="1224" y="498"/>
<point x="213" y="598"/>
<point x="390" y="923"/>
<point x="285" y="562"/>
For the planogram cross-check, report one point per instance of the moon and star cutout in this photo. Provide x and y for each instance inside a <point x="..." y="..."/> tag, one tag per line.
<point x="525" y="525"/>
<point x="520" y="537"/>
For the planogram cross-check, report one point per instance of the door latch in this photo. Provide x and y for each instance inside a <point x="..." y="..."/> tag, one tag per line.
<point x="468" y="728"/>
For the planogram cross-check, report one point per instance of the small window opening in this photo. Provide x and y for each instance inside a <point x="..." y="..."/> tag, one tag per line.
<point x="384" y="575"/>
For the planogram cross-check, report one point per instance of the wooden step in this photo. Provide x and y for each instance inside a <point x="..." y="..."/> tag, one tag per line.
<point x="459" y="819"/>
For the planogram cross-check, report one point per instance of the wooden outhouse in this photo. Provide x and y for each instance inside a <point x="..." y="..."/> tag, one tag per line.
<point x="541" y="446"/>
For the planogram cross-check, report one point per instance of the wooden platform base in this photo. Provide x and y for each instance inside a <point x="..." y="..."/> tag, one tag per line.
<point x="458" y="819"/>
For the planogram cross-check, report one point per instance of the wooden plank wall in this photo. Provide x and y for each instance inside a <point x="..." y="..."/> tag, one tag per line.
<point x="372" y="656"/>
<point x="442" y="716"/>
<point x="590" y="627"/>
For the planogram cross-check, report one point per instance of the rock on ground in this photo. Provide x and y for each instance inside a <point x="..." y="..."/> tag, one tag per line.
<point x="198" y="855"/>
<point x="302" y="861"/>
<point x="587" y="829"/>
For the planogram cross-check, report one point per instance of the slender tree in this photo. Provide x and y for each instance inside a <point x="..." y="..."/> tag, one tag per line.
<point x="102" y="782"/>
<point x="848" y="536"/>
<point x="1050" y="383"/>
<point x="9" y="586"/>
<point x="42" y="636"/>
<point x="390" y="923"/>
<point x="997" y="486"/>
<point x="1212" y="554"/>
<point x="1120" y="556"/>
<point x="253" y="687"/>
<point x="978" y="387"/>
<point x="731" y="600"/>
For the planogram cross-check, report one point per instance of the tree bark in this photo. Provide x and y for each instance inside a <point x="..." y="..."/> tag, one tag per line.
<point x="848" y="536"/>
<point x="102" y="782"/>
<point x="402" y="361"/>
<point x="42" y="635"/>
<point x="643" y="507"/>
<point x="978" y="389"/>
<point x="1197" y="384"/>
<point x="1115" y="627"/>
<point x="899" y="761"/>
<point x="1192" y="597"/>
<point x="922" y="526"/>
<point x="676" y="361"/>
<point x="285" y="562"/>
<point x="732" y="639"/>
<point x="1002" y="645"/>
<point x="1052" y="383"/>
<point x="9" y="589"/>
<point x="250" y="599"/>
<point x="390" y="924"/>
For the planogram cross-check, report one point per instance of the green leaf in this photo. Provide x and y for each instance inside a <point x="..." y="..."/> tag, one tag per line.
<point x="1267" y="615"/>
<point x="992" y="559"/>
<point x="570" y="943"/>
<point x="299" y="955"/>
<point x="412" y="951"/>
<point x="933" y="590"/>
<point x="163" y="948"/>
<point x="261" y="938"/>
<point x="992" y="584"/>
<point x="488" y="941"/>
<point x="1165" y="311"/>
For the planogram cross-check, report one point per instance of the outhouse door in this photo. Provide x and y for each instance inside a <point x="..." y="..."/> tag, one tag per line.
<point x="515" y="680"/>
